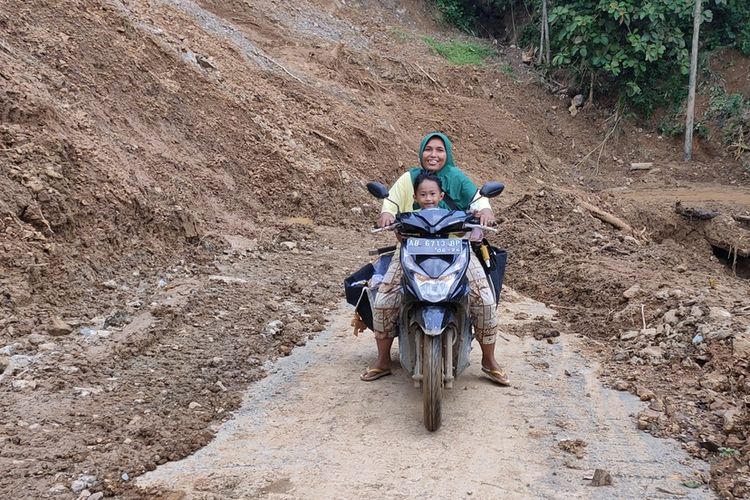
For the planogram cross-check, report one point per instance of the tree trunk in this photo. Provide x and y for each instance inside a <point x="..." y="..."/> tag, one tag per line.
<point x="690" y="118"/>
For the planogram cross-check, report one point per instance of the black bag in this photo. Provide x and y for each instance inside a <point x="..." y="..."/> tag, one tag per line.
<point x="356" y="287"/>
<point x="496" y="270"/>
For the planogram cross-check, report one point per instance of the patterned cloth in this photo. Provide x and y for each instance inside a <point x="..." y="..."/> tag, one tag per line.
<point x="481" y="302"/>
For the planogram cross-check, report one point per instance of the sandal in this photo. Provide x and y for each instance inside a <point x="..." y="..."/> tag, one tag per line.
<point x="374" y="374"/>
<point x="497" y="376"/>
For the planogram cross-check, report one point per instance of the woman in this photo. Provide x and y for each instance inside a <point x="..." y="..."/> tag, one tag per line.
<point x="436" y="157"/>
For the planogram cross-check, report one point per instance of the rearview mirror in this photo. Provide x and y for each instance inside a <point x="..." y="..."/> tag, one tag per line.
<point x="378" y="190"/>
<point x="490" y="189"/>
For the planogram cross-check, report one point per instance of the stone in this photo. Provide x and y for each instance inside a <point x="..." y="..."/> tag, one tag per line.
<point x="719" y="334"/>
<point x="729" y="419"/>
<point x="680" y="268"/>
<point x="601" y="478"/>
<point x="654" y="354"/>
<point x="671" y="317"/>
<point x="676" y="293"/>
<point x="274" y="327"/>
<point x="83" y="482"/>
<point x="23" y="385"/>
<point x="621" y="385"/>
<point x="645" y="394"/>
<point x="58" y="489"/>
<point x="741" y="345"/>
<point x="631" y="292"/>
<point x="96" y="496"/>
<point x="8" y="350"/>
<point x="629" y="335"/>
<point x="662" y="294"/>
<point x="111" y="284"/>
<point x="48" y="347"/>
<point x="289" y="245"/>
<point x="194" y="405"/>
<point x="696" y="312"/>
<point x="714" y="381"/>
<point x="58" y="328"/>
<point x="719" y="314"/>
<point x="36" y="338"/>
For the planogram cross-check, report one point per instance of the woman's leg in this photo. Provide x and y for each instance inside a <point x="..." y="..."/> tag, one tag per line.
<point x="385" y="313"/>
<point x="483" y="311"/>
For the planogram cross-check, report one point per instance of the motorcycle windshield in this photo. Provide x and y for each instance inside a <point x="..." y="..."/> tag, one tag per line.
<point x="433" y="221"/>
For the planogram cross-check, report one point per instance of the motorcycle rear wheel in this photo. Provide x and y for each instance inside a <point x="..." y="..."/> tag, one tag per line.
<point x="432" y="382"/>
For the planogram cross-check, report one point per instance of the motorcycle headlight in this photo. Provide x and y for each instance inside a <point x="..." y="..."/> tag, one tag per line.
<point x="435" y="289"/>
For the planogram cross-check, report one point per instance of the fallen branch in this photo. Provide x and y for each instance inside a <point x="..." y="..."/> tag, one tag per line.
<point x="609" y="218"/>
<point x="329" y="140"/>
<point x="532" y="220"/>
<point x="600" y="147"/>
<point x="742" y="218"/>
<point x="279" y="65"/>
<point x="642" y="166"/>
<point x="431" y="78"/>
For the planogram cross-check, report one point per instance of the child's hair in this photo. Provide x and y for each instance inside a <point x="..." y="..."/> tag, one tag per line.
<point x="427" y="176"/>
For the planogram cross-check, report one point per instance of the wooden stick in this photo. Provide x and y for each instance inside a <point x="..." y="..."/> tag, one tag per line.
<point x="608" y="218"/>
<point x="642" y="166"/>
<point x="532" y="220"/>
<point x="601" y="145"/>
<point x="741" y="218"/>
<point x="643" y="316"/>
<point x="325" y="137"/>
<point x="428" y="76"/>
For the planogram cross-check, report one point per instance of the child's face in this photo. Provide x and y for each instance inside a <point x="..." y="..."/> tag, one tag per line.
<point x="428" y="194"/>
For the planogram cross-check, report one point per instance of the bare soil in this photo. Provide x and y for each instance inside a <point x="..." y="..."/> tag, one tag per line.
<point x="179" y="177"/>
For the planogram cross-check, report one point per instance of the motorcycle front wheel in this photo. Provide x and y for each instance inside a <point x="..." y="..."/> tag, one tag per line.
<point x="432" y="381"/>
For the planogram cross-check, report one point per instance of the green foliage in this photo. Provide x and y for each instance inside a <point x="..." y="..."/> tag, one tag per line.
<point x="730" y="26"/>
<point x="461" y="53"/>
<point x="454" y="13"/>
<point x="730" y="113"/>
<point x="728" y="452"/>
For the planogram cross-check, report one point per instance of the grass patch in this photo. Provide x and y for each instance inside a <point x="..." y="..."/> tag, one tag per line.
<point x="461" y="53"/>
<point x="400" y="35"/>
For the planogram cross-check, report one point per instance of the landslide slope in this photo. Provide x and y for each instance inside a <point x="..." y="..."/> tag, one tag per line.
<point x="143" y="144"/>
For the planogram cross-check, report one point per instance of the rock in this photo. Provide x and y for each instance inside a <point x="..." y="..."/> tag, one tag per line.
<point x="629" y="335"/>
<point x="274" y="327"/>
<point x="194" y="405"/>
<point x="58" y="489"/>
<point x="8" y="350"/>
<point x="696" y="312"/>
<point x="96" y="496"/>
<point x="356" y="210"/>
<point x="741" y="345"/>
<point x="621" y="385"/>
<point x="649" y="332"/>
<point x="84" y="495"/>
<point x="632" y="292"/>
<point x="719" y="334"/>
<point x="653" y="353"/>
<point x="714" y="381"/>
<point x="676" y="293"/>
<point x="729" y="418"/>
<point x="48" y="347"/>
<point x="125" y="476"/>
<point x="662" y="294"/>
<point x="645" y="394"/>
<point x="671" y="317"/>
<point x="601" y="478"/>
<point x="719" y="314"/>
<point x="23" y="385"/>
<point x="697" y="339"/>
<point x="680" y="268"/>
<point x="111" y="284"/>
<point x="83" y="482"/>
<point x="36" y="338"/>
<point x="289" y="245"/>
<point x="58" y="328"/>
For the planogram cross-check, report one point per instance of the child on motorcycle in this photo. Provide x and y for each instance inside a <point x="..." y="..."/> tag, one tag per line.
<point x="428" y="192"/>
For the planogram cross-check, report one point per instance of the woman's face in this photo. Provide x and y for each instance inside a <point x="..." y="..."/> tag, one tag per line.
<point x="434" y="155"/>
<point x="428" y="194"/>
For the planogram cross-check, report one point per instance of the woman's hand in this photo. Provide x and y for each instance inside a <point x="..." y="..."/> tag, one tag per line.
<point x="386" y="219"/>
<point x="486" y="217"/>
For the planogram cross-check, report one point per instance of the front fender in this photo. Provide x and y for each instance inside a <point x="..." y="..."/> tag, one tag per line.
<point x="433" y="319"/>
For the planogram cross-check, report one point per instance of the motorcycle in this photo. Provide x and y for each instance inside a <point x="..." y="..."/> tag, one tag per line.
<point x="434" y="327"/>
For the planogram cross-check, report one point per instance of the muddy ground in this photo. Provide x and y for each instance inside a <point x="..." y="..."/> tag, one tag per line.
<point x="150" y="148"/>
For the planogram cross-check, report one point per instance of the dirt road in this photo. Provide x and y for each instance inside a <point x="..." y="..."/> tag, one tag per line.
<point x="313" y="430"/>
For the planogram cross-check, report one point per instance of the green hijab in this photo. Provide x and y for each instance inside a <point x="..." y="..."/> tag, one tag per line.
<point x="456" y="184"/>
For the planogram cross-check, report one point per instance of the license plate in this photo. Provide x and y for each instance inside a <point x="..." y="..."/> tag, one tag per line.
<point x="424" y="246"/>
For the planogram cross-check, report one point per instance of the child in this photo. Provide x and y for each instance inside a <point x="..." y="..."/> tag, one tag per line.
<point x="428" y="190"/>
